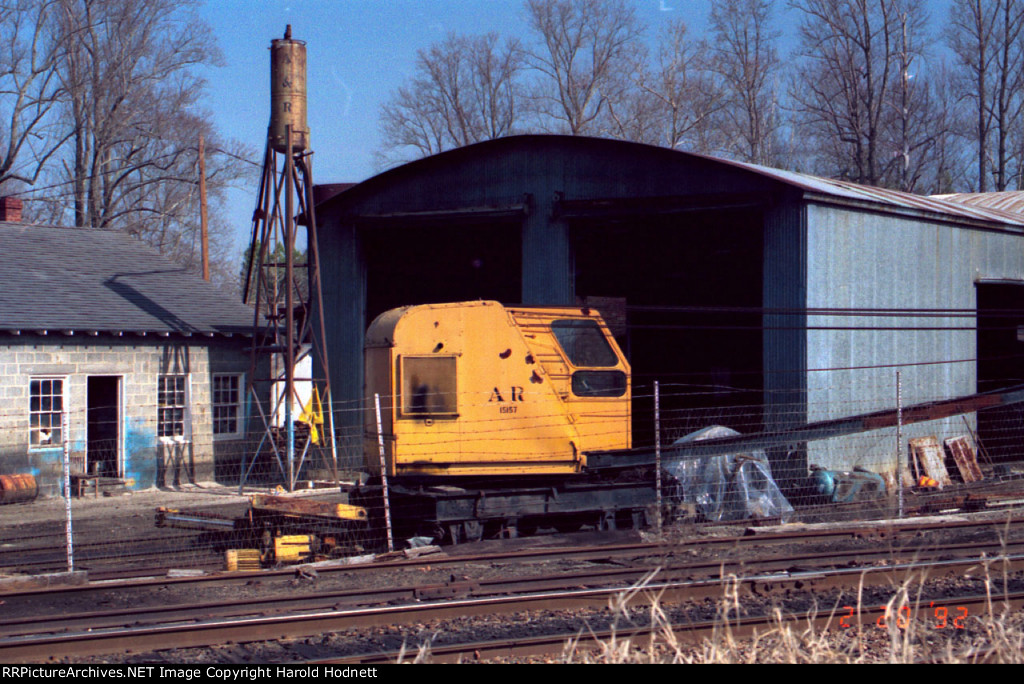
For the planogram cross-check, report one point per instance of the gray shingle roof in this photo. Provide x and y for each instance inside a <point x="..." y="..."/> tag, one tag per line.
<point x="70" y="279"/>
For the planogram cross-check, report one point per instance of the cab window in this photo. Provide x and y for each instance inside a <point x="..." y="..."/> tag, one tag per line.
<point x="428" y="386"/>
<point x="598" y="383"/>
<point x="584" y="344"/>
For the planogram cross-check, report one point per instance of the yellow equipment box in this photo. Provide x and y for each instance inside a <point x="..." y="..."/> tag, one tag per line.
<point x="292" y="548"/>
<point x="242" y="560"/>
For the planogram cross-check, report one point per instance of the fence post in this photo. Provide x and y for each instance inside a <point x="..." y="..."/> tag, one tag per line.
<point x="384" y="474"/>
<point x="657" y="458"/>
<point x="899" y="441"/>
<point x="67" y="491"/>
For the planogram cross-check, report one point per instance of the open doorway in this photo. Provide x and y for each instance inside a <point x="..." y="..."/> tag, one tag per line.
<point x="431" y="264"/>
<point x="1001" y="365"/>
<point x="693" y="289"/>
<point x="103" y="448"/>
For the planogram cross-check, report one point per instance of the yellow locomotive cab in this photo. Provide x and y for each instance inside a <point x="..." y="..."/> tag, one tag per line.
<point x="480" y="389"/>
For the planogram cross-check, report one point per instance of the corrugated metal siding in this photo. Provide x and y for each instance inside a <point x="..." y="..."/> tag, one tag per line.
<point x="866" y="260"/>
<point x="785" y="292"/>
<point x="547" y="262"/>
<point x="785" y="345"/>
<point x="500" y="172"/>
<point x="343" y="275"/>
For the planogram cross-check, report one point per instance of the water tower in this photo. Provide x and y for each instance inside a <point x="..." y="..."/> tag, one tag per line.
<point x="293" y="399"/>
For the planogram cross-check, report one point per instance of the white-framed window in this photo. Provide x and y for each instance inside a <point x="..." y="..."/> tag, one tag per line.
<point x="173" y="415"/>
<point x="227" y="404"/>
<point x="46" y="410"/>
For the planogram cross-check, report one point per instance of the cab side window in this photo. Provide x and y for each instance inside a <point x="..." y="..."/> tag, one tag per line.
<point x="428" y="386"/>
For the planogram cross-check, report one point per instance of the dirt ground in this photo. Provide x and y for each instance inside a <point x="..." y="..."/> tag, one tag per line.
<point x="119" y="532"/>
<point x="108" y="531"/>
<point x="89" y="506"/>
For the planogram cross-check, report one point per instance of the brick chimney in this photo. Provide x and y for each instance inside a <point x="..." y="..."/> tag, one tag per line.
<point x="10" y="209"/>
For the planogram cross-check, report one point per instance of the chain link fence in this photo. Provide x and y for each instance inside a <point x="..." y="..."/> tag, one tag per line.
<point x="228" y="502"/>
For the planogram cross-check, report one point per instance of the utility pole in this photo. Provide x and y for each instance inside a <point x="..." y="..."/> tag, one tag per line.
<point x="203" y="225"/>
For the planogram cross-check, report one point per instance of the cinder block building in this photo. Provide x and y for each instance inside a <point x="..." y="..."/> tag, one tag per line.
<point x="137" y="365"/>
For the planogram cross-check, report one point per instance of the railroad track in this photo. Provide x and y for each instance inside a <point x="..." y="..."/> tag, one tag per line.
<point x="947" y="613"/>
<point x="888" y="532"/>
<point x="148" y="555"/>
<point x="38" y="555"/>
<point x="673" y="571"/>
<point x="681" y="579"/>
<point x="135" y="630"/>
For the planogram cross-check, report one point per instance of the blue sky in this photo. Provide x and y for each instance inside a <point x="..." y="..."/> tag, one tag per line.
<point x="358" y="52"/>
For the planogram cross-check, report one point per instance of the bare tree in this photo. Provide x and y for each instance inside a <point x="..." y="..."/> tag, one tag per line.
<point x="971" y="37"/>
<point x="848" y="84"/>
<point x="686" y="95"/>
<point x="919" y="122"/>
<point x="110" y="106"/>
<point x="586" y="48"/>
<point x="30" y="54"/>
<point x="669" y="100"/>
<point x="987" y="37"/>
<point x="638" y="117"/>
<point x="133" y="116"/>
<point x="951" y="166"/>
<point x="132" y="95"/>
<point x="466" y="89"/>
<point x="746" y="58"/>
<point x="1006" y="105"/>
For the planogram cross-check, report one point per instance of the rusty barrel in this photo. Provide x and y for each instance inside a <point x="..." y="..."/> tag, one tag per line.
<point x="17" y="488"/>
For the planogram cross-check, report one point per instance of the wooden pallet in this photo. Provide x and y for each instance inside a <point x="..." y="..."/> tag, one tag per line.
<point x="931" y="460"/>
<point x="965" y="458"/>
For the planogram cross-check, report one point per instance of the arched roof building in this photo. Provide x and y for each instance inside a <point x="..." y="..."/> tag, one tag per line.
<point x="735" y="285"/>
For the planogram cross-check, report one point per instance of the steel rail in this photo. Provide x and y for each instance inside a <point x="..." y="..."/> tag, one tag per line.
<point x="476" y="588"/>
<point x="42" y="648"/>
<point x="692" y="633"/>
<point x="880" y="530"/>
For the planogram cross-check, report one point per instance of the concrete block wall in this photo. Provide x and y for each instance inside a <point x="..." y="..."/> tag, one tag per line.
<point x="146" y="459"/>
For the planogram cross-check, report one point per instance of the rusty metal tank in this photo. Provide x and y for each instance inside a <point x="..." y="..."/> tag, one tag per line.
<point x="17" y="488"/>
<point x="288" y="93"/>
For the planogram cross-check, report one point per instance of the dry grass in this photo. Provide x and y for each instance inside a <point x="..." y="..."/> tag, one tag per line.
<point x="913" y="630"/>
<point x="911" y="635"/>
<point x="996" y="637"/>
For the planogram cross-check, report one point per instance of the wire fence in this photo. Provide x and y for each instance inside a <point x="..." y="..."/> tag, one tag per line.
<point x="727" y="455"/>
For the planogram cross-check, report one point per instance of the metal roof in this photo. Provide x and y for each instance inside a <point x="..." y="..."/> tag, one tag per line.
<point x="1011" y="202"/>
<point x="71" y="280"/>
<point x="815" y="188"/>
<point x="940" y="205"/>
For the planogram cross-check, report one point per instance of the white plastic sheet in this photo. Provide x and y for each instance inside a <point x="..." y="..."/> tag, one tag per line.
<point x="729" y="487"/>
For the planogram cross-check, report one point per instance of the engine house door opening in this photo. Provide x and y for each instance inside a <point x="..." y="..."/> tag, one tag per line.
<point x="1000" y="365"/>
<point x="103" y="425"/>
<point x="692" y="289"/>
<point x="427" y="263"/>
